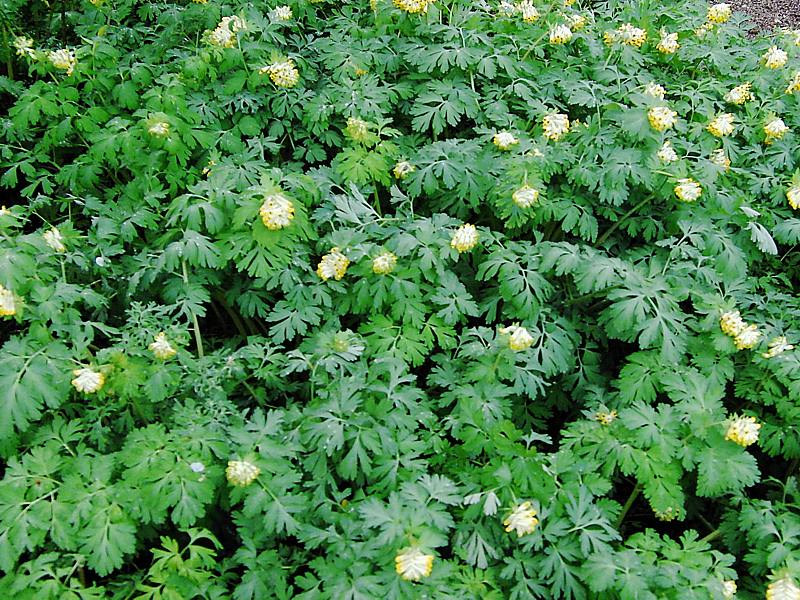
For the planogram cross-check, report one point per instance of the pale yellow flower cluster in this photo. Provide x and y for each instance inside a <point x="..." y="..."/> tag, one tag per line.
<point x="667" y="152"/>
<point x="743" y="431"/>
<point x="560" y="34"/>
<point x="63" y="59"/>
<point x="655" y="90"/>
<point x="281" y="13"/>
<point x="241" y="473"/>
<point x="719" y="13"/>
<point x="276" y="212"/>
<point x="403" y="169"/>
<point x="719" y="158"/>
<point x="794" y="84"/>
<point x="740" y="94"/>
<point x="518" y="337"/>
<point x="504" y="140"/>
<point x="525" y="197"/>
<point x="88" y="381"/>
<point x="528" y="11"/>
<point x="412" y="564"/>
<point x="606" y="418"/>
<point x="224" y="34"/>
<point x="631" y="36"/>
<point x="783" y="589"/>
<point x="384" y="263"/>
<point x="775" y="129"/>
<point x="465" y="238"/>
<point x="721" y="125"/>
<point x="159" y="129"/>
<point x="54" y="240"/>
<point x="282" y="73"/>
<point x="333" y="265"/>
<point x="793" y="196"/>
<point x="8" y="302"/>
<point x="357" y="129"/>
<point x="662" y="118"/>
<point x="668" y="44"/>
<point x="413" y="7"/>
<point x="744" y="335"/>
<point x="24" y="47"/>
<point x="555" y="126"/>
<point x="777" y="346"/>
<point x="161" y="348"/>
<point x="522" y="520"/>
<point x="775" y="58"/>
<point x="688" y="190"/>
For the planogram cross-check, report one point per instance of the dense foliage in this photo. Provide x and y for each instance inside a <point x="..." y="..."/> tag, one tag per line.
<point x="398" y="300"/>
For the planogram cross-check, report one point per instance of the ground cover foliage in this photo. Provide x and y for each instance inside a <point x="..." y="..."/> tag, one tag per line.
<point x="398" y="300"/>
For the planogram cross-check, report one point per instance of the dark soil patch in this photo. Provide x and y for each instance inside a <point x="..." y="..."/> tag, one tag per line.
<point x="770" y="14"/>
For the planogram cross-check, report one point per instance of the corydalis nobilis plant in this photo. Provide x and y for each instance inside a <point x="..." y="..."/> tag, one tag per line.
<point x="398" y="300"/>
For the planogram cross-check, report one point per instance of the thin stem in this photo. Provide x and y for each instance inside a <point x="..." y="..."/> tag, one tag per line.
<point x="9" y="62"/>
<point x="617" y="225"/>
<point x="628" y="503"/>
<point x="198" y="339"/>
<point x="712" y="536"/>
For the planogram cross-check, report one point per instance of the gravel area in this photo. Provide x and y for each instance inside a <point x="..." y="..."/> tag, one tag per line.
<point x="769" y="14"/>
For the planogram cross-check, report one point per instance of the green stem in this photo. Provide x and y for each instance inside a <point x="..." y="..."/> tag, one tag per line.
<point x="198" y="339"/>
<point x="628" y="503"/>
<point x="712" y="536"/>
<point x="9" y="63"/>
<point x="617" y="225"/>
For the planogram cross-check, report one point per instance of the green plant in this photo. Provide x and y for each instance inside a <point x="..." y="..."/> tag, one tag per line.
<point x="398" y="300"/>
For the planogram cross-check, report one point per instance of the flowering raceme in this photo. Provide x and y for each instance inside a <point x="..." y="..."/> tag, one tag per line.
<point x="413" y="564"/>
<point x="662" y="118"/>
<point x="241" y="473"/>
<point x="282" y="73"/>
<point x="668" y="44"/>
<point x="743" y="431"/>
<point x="719" y="158"/>
<point x="793" y="196"/>
<point x="24" y="47"/>
<point x="667" y="152"/>
<point x="555" y="126"/>
<point x="465" y="238"/>
<point x="794" y="84"/>
<point x="775" y="58"/>
<point x="719" y="13"/>
<point x="413" y="7"/>
<point x="560" y="34"/>
<point x="333" y="265"/>
<point x="775" y="129"/>
<point x="606" y="418"/>
<point x="525" y="197"/>
<point x="740" y="94"/>
<point x="518" y="337"/>
<point x="161" y="348"/>
<point x="88" y="381"/>
<point x="8" y="302"/>
<point x="777" y="346"/>
<point x="721" y="125"/>
<point x="783" y="589"/>
<point x="631" y="36"/>
<point x="403" y="169"/>
<point x="384" y="263"/>
<point x="528" y="11"/>
<point x="522" y="520"/>
<point x="655" y="90"/>
<point x="276" y="212"/>
<point x="54" y="240"/>
<point x="64" y="60"/>
<point x="504" y="140"/>
<point x="688" y="190"/>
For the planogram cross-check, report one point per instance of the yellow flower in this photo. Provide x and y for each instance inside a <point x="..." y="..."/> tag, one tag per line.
<point x="518" y="337"/>
<point x="688" y="190"/>
<point x="24" y="47"/>
<point x="282" y="73"/>
<point x="775" y="58"/>
<point x="276" y="212"/>
<point x="794" y="84"/>
<point x="662" y="118"/>
<point x="413" y="7"/>
<point x="560" y="34"/>
<point x="504" y="140"/>
<point x="522" y="520"/>
<point x="357" y="129"/>
<point x="413" y="564"/>
<point x="731" y="323"/>
<point x="334" y="264"/>
<point x="783" y="589"/>
<point x="719" y="158"/>
<point x="631" y="36"/>
<point x="241" y="473"/>
<point x="161" y="348"/>
<point x="464" y="238"/>
<point x="703" y="30"/>
<point x="555" y="125"/>
<point x="721" y="125"/>
<point x="87" y="381"/>
<point x="403" y="169"/>
<point x="8" y="302"/>
<point x="719" y="13"/>
<point x="528" y="11"/>
<point x="667" y="153"/>
<point x="728" y="589"/>
<point x="525" y="197"/>
<point x="747" y="337"/>
<point x="384" y="263"/>
<point x="669" y="514"/>
<point x="777" y="346"/>
<point x="655" y="90"/>
<point x="668" y="44"/>
<point x="224" y="35"/>
<point x="281" y="13"/>
<point x="743" y="431"/>
<point x="606" y="418"/>
<point x="740" y="94"/>
<point x="576" y="22"/>
<point x="54" y="240"/>
<point x="159" y="129"/>
<point x="775" y="130"/>
<point x="609" y="37"/>
<point x="207" y="168"/>
<point x="63" y="59"/>
<point x="793" y="196"/>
